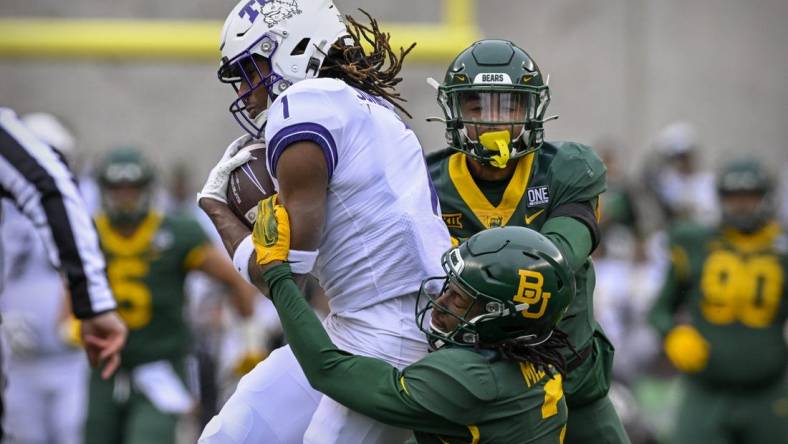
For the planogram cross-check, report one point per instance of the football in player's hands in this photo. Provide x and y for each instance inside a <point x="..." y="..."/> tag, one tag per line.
<point x="249" y="184"/>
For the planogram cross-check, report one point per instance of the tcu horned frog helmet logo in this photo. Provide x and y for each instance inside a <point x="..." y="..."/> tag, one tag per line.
<point x="294" y="37"/>
<point x="273" y="11"/>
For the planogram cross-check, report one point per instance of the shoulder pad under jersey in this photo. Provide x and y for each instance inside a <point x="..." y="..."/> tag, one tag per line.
<point x="576" y="174"/>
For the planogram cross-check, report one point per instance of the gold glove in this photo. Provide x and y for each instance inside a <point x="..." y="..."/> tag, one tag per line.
<point x="687" y="349"/>
<point x="248" y="361"/>
<point x="255" y="340"/>
<point x="271" y="233"/>
<point x="70" y="330"/>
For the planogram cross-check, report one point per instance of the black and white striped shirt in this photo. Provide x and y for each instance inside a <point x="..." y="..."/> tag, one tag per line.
<point x="36" y="177"/>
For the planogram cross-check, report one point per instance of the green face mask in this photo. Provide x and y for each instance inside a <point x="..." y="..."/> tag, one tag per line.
<point x="129" y="214"/>
<point x="516" y="281"/>
<point x="126" y="180"/>
<point x="750" y="221"/>
<point x="490" y="88"/>
<point x="745" y="190"/>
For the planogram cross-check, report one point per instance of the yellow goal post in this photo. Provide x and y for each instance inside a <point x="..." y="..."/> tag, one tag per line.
<point x="132" y="40"/>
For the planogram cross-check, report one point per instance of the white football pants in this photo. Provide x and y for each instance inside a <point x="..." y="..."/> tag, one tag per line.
<point x="46" y="399"/>
<point x="274" y="403"/>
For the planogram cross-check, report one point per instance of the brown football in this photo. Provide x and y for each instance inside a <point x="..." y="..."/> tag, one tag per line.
<point x="249" y="184"/>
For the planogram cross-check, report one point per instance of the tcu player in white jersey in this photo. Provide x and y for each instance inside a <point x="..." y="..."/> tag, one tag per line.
<point x="363" y="216"/>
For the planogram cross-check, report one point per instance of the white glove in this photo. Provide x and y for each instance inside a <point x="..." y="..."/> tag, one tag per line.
<point x="255" y="346"/>
<point x="216" y="185"/>
<point x="20" y="334"/>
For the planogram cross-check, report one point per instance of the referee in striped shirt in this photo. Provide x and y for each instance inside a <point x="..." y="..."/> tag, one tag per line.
<point x="36" y="178"/>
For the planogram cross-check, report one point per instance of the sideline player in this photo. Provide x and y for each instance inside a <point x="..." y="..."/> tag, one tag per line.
<point x="148" y="257"/>
<point x="731" y="279"/>
<point x="352" y="177"/>
<point x="499" y="171"/>
<point x="495" y="372"/>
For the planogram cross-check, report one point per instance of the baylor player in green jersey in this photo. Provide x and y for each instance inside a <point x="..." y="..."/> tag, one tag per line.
<point x="732" y="282"/>
<point x="495" y="371"/>
<point x="499" y="171"/>
<point x="148" y="257"/>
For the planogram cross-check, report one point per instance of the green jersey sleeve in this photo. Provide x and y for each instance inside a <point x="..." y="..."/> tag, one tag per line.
<point x="670" y="298"/>
<point x="682" y="239"/>
<point x="571" y="237"/>
<point x="191" y="239"/>
<point x="367" y="385"/>
<point x="453" y="383"/>
<point x="576" y="177"/>
<point x="576" y="174"/>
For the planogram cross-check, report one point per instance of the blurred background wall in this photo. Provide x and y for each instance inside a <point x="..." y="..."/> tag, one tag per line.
<point x="620" y="69"/>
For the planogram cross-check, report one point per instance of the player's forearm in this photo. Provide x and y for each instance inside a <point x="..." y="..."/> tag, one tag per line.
<point x="336" y="373"/>
<point x="231" y="230"/>
<point x="662" y="312"/>
<point x="216" y="265"/>
<point x="572" y="237"/>
<point x="243" y="299"/>
<point x="309" y="341"/>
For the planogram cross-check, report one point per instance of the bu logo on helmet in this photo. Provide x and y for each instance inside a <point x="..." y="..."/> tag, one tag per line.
<point x="274" y="11"/>
<point x="530" y="292"/>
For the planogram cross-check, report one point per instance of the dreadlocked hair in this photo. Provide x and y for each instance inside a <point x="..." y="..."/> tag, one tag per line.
<point x="546" y="356"/>
<point x="376" y="72"/>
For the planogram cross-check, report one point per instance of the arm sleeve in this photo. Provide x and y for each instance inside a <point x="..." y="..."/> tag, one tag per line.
<point x="572" y="237"/>
<point x="38" y="180"/>
<point x="367" y="385"/>
<point x="586" y="213"/>
<point x="672" y="294"/>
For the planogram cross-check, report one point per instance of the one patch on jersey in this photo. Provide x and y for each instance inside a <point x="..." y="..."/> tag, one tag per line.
<point x="493" y="77"/>
<point x="538" y="196"/>
<point x="452" y="220"/>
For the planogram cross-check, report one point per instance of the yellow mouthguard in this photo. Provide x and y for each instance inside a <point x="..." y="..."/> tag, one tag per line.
<point x="497" y="141"/>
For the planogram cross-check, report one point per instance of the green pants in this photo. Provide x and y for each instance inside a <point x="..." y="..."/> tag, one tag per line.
<point x="120" y="414"/>
<point x="596" y="423"/>
<point x="592" y="417"/>
<point x="719" y="416"/>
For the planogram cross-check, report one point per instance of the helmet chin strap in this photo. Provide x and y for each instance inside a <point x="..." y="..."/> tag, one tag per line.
<point x="497" y="141"/>
<point x="438" y="343"/>
<point x="435" y="328"/>
<point x="261" y="119"/>
<point x="499" y="314"/>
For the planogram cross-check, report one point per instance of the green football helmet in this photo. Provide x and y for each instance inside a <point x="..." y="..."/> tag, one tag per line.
<point x="518" y="280"/>
<point x="125" y="167"/>
<point x="746" y="176"/>
<point x="494" y="99"/>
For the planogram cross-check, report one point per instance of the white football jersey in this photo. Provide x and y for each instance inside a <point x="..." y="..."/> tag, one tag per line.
<point x="383" y="232"/>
